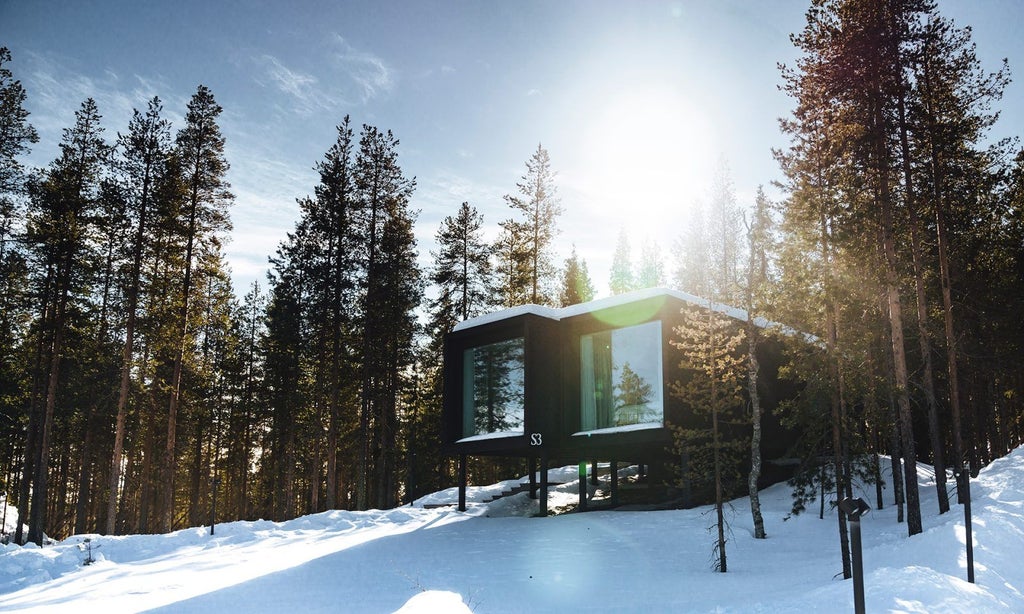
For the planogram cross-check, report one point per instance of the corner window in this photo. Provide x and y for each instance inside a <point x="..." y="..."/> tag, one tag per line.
<point x="493" y="386"/>
<point x="620" y="378"/>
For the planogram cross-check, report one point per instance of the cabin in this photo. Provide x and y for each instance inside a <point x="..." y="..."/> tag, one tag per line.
<point x="581" y="384"/>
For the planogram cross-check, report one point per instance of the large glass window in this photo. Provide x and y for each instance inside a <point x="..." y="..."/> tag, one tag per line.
<point x="493" y="386"/>
<point x="620" y="377"/>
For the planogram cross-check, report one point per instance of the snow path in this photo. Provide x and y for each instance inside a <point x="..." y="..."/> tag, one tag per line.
<point x="150" y="574"/>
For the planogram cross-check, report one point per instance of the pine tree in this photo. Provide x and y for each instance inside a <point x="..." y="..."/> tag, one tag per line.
<point x="391" y="293"/>
<point x="692" y="256"/>
<point x="401" y="285"/>
<point x="247" y="414"/>
<point x="200" y="147"/>
<point x="952" y="113"/>
<point x="651" y="271"/>
<point x="16" y="135"/>
<point x="538" y="202"/>
<point x="810" y="263"/>
<point x="144" y="150"/>
<point x="576" y="284"/>
<point x="513" y="264"/>
<point x="462" y="269"/>
<point x="334" y="262"/>
<point x="620" y="277"/>
<point x="466" y="284"/>
<point x="58" y="232"/>
<point x="282" y="346"/>
<point x="723" y="232"/>
<point x="850" y="81"/>
<point x="711" y="389"/>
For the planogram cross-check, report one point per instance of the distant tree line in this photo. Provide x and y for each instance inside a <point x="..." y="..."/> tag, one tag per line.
<point x="133" y="381"/>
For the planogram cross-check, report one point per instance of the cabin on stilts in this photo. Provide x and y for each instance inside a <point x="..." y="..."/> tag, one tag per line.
<point x="585" y="384"/>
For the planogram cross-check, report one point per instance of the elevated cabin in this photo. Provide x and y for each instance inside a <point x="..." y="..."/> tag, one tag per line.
<point x="583" y="383"/>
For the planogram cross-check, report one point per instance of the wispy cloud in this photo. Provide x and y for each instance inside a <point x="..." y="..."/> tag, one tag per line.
<point x="371" y="75"/>
<point x="308" y="96"/>
<point x="288" y="80"/>
<point x="349" y="76"/>
<point x="56" y="90"/>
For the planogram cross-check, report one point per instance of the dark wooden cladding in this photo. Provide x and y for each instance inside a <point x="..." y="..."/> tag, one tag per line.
<point x="542" y="378"/>
<point x="552" y="387"/>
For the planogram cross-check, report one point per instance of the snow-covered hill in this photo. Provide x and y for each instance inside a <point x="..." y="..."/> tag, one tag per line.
<point x="495" y="558"/>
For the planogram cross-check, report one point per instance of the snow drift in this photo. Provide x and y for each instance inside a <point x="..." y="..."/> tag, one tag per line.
<point x="495" y="558"/>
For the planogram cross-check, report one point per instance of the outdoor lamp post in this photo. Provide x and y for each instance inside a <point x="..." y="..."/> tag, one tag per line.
<point x="854" y="509"/>
<point x="963" y="484"/>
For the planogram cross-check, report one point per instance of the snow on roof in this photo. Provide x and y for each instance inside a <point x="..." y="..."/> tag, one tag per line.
<point x="504" y="314"/>
<point x="624" y="299"/>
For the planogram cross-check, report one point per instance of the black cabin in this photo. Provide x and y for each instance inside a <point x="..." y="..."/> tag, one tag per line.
<point x="583" y="383"/>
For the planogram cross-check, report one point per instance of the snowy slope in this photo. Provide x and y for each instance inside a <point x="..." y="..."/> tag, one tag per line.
<point x="495" y="558"/>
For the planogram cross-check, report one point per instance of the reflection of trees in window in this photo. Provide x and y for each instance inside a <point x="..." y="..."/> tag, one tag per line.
<point x="620" y="377"/>
<point x="496" y="400"/>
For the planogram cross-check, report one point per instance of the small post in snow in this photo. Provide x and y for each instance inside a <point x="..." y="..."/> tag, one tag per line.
<point x="854" y="509"/>
<point x="213" y="507"/>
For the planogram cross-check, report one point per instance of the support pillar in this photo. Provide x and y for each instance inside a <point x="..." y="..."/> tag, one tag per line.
<point x="615" y="482"/>
<point x="532" y="468"/>
<point x="583" y="485"/>
<point x="543" y="485"/>
<point x="462" y="482"/>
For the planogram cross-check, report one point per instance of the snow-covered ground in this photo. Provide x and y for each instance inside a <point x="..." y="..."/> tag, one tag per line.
<point x="495" y="558"/>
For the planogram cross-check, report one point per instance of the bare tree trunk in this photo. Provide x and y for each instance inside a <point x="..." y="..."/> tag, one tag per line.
<point x="719" y="499"/>
<point x="755" y="440"/>
<point x="126" y="361"/>
<point x="898" y="351"/>
<point x="923" y="335"/>
<point x="876" y="467"/>
<point x="755" y="277"/>
<point x="951" y="345"/>
<point x="314" y="469"/>
<point x="84" y="475"/>
<point x="35" y="409"/>
<point x="831" y="349"/>
<point x="170" y="454"/>
<point x="37" y="512"/>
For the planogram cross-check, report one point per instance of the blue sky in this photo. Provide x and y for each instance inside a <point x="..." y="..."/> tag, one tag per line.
<point x="635" y="101"/>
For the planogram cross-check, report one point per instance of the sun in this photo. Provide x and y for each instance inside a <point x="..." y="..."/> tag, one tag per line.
<point x="649" y="156"/>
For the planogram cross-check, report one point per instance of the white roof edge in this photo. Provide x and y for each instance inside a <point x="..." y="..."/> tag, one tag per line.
<point x="553" y="313"/>
<point x="504" y="314"/>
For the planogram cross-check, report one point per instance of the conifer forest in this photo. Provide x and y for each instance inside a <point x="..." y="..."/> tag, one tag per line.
<point x="137" y="384"/>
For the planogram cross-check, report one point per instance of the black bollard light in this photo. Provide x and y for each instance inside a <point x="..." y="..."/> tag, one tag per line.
<point x="854" y="509"/>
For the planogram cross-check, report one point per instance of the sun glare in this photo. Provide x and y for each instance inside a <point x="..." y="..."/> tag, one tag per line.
<point x="650" y="155"/>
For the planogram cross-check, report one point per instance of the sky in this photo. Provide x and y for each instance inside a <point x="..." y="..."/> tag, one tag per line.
<point x="496" y="558"/>
<point x="637" y="103"/>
